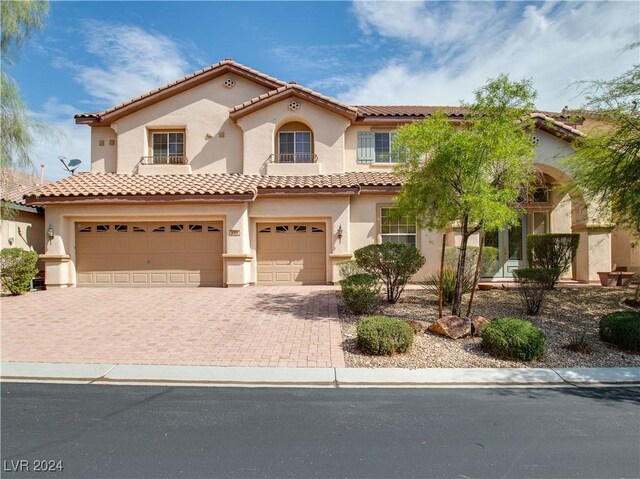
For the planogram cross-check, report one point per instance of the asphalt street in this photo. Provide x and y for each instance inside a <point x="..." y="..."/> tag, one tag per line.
<point x="97" y="431"/>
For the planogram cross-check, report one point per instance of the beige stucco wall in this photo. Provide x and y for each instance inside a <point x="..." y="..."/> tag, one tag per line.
<point x="624" y="251"/>
<point x="103" y="157"/>
<point x="213" y="143"/>
<point x="260" y="129"/>
<point x="25" y="230"/>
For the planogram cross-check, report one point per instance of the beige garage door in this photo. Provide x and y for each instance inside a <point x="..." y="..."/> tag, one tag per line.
<point x="149" y="254"/>
<point x="291" y="253"/>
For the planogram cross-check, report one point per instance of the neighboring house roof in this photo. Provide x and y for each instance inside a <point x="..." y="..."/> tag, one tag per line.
<point x="201" y="76"/>
<point x="222" y="185"/>
<point x="289" y="90"/>
<point x="15" y="184"/>
<point x="555" y="127"/>
<point x="408" y="111"/>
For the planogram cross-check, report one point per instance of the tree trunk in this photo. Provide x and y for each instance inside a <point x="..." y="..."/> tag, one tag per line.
<point x="476" y="276"/>
<point x="456" y="308"/>
<point x="444" y="245"/>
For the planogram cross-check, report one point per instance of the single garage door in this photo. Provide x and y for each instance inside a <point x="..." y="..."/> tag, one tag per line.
<point x="292" y="253"/>
<point x="149" y="254"/>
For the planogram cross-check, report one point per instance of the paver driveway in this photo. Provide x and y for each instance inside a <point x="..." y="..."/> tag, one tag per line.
<point x="294" y="326"/>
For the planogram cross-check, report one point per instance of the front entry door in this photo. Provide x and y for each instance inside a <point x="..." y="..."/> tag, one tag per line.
<point x="511" y="244"/>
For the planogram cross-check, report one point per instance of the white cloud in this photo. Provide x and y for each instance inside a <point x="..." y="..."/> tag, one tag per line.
<point x="458" y="46"/>
<point x="66" y="139"/>
<point x="128" y="61"/>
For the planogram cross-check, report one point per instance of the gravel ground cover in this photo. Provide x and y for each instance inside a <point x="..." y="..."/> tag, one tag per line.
<point x="566" y="312"/>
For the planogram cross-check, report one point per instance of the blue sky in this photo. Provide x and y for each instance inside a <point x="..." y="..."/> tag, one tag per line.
<point x="92" y="55"/>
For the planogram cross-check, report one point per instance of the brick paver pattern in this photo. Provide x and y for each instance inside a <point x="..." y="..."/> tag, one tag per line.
<point x="283" y="326"/>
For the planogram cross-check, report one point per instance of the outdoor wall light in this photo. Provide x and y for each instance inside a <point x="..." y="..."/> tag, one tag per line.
<point x="50" y="233"/>
<point x="339" y="232"/>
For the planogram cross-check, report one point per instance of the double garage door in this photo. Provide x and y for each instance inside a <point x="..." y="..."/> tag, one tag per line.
<point x="190" y="254"/>
<point x="149" y="254"/>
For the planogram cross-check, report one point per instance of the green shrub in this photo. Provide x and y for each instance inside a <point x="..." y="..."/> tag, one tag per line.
<point x="432" y="284"/>
<point x="18" y="268"/>
<point x="622" y="328"/>
<point x="533" y="284"/>
<point x="393" y="263"/>
<point x="513" y="338"/>
<point x="382" y="335"/>
<point x="360" y="292"/>
<point x="552" y="251"/>
<point x="348" y="268"/>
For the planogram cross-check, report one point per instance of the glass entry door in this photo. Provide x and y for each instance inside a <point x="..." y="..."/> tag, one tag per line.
<point x="511" y="244"/>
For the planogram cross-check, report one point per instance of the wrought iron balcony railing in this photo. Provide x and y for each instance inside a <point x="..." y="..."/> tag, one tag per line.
<point x="293" y="158"/>
<point x="164" y="160"/>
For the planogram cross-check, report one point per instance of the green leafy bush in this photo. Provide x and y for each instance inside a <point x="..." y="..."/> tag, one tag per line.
<point x="533" y="284"/>
<point x="360" y="292"/>
<point x="18" y="268"/>
<point x="348" y="268"/>
<point x="552" y="251"/>
<point x="622" y="328"/>
<point x="513" y="338"/>
<point x="393" y="263"/>
<point x="382" y="335"/>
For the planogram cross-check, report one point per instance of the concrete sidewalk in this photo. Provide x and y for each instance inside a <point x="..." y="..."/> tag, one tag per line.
<point x="314" y="377"/>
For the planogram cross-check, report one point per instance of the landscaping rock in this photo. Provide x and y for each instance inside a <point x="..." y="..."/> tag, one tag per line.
<point x="418" y="327"/>
<point x="453" y="327"/>
<point x="477" y="325"/>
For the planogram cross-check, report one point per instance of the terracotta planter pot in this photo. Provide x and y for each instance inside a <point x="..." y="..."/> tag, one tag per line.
<point x="485" y="287"/>
<point x="624" y="278"/>
<point x="608" y="279"/>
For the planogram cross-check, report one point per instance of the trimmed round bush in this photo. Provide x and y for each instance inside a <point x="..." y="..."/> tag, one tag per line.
<point x="622" y="328"/>
<point x="382" y="335"/>
<point x="17" y="269"/>
<point x="360" y="292"/>
<point x="513" y="338"/>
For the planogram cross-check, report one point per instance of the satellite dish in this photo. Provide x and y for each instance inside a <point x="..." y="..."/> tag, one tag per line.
<point x="72" y="165"/>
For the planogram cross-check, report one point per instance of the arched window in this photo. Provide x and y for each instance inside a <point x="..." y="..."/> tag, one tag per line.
<point x="294" y="144"/>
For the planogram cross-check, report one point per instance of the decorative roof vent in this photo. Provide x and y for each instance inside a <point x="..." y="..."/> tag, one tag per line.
<point x="535" y="140"/>
<point x="294" y="105"/>
<point x="229" y="83"/>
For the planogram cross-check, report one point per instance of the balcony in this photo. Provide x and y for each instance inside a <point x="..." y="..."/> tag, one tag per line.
<point x="293" y="158"/>
<point x="164" y="165"/>
<point x="164" y="160"/>
<point x="296" y="164"/>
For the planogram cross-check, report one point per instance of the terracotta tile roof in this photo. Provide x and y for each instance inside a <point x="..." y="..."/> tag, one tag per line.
<point x="288" y="90"/>
<point x="419" y="111"/>
<point x="543" y="119"/>
<point x="110" y="184"/>
<point x="227" y="64"/>
<point x="15" y="184"/>
<point x="341" y="180"/>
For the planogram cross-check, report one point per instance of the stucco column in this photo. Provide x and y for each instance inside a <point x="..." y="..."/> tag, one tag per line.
<point x="58" y="262"/>
<point x="594" y="251"/>
<point x="237" y="256"/>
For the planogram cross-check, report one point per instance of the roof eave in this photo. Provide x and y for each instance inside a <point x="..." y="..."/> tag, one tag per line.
<point x="147" y="198"/>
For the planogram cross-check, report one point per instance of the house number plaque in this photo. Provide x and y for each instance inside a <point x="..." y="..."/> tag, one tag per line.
<point x="234" y="232"/>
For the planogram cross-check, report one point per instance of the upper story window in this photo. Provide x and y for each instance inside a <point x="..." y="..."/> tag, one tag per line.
<point x="377" y="147"/>
<point x="294" y="144"/>
<point x="396" y="230"/>
<point x="166" y="148"/>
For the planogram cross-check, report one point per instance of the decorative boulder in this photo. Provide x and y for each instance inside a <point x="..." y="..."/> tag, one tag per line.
<point x="477" y="325"/>
<point x="453" y="327"/>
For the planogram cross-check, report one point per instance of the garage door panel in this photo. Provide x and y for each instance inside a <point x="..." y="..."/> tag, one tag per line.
<point x="134" y="254"/>
<point x="291" y="253"/>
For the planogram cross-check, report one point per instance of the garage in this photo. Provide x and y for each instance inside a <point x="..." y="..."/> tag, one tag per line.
<point x="291" y="253"/>
<point x="149" y="254"/>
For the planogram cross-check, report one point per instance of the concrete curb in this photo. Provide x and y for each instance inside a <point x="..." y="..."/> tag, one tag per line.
<point x="314" y="377"/>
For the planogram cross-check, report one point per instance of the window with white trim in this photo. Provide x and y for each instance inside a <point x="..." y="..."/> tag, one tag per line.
<point x="377" y="147"/>
<point x="396" y="230"/>
<point x="294" y="146"/>
<point x="167" y="144"/>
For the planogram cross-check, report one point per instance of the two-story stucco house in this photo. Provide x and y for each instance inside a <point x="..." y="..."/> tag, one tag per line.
<point x="229" y="177"/>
